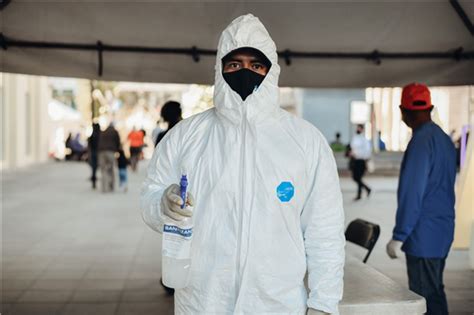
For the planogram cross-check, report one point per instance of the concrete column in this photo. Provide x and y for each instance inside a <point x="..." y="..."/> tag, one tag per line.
<point x="25" y="101"/>
<point x="3" y="122"/>
<point x="42" y="116"/>
<point x="10" y="111"/>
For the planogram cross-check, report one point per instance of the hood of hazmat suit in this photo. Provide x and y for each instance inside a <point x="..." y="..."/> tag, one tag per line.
<point x="268" y="205"/>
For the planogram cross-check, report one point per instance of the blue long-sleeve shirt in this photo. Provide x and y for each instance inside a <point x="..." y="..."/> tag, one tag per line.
<point x="425" y="214"/>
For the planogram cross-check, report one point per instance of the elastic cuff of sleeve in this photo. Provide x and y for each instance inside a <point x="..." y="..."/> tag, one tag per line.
<point x="328" y="307"/>
<point x="396" y="237"/>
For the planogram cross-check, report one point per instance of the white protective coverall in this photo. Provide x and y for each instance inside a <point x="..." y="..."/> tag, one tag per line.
<point x="268" y="204"/>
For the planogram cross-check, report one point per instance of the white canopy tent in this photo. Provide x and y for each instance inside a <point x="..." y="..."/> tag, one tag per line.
<point x="306" y="27"/>
<point x="58" y="111"/>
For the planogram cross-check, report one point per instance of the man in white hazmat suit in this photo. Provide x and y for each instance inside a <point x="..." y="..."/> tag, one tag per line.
<point x="267" y="201"/>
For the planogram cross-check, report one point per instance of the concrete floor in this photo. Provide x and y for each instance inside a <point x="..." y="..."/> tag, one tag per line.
<point x="70" y="250"/>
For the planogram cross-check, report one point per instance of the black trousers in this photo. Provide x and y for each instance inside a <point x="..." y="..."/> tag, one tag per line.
<point x="425" y="277"/>
<point x="358" y="168"/>
<point x="93" y="162"/>
<point x="135" y="153"/>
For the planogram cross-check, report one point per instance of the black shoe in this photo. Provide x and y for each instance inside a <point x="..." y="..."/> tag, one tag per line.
<point x="357" y="198"/>
<point x="369" y="191"/>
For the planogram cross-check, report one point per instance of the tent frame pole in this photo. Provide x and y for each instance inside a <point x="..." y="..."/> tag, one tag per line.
<point x="462" y="15"/>
<point x="375" y="56"/>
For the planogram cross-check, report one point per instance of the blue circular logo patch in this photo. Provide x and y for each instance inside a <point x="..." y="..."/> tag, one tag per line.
<point x="285" y="191"/>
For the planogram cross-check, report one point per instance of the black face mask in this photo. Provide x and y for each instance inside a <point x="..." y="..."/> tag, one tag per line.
<point x="244" y="81"/>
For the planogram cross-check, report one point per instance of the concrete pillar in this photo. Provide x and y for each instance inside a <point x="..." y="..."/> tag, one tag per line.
<point x="84" y="99"/>
<point x="25" y="120"/>
<point x="43" y="125"/>
<point x="10" y="113"/>
<point x="3" y="122"/>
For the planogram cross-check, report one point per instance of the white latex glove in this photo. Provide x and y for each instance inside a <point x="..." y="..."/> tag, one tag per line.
<point x="171" y="204"/>
<point x="394" y="248"/>
<point x="316" y="312"/>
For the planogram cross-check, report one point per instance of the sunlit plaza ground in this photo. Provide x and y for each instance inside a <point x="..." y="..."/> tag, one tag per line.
<point x="70" y="250"/>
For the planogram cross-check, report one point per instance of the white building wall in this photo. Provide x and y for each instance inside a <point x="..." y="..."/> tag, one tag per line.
<point x="25" y="121"/>
<point x="458" y="108"/>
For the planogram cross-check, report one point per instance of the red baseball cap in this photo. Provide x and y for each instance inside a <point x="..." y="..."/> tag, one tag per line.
<point x="416" y="96"/>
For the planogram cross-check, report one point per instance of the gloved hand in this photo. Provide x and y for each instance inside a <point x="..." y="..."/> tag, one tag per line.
<point x="171" y="204"/>
<point x="394" y="248"/>
<point x="315" y="312"/>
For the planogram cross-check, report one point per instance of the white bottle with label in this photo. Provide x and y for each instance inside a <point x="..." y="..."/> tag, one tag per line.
<point x="176" y="250"/>
<point x="176" y="254"/>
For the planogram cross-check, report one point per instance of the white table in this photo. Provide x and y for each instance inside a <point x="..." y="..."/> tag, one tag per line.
<point x="367" y="291"/>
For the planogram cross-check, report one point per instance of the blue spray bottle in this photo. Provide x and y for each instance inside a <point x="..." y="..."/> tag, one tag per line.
<point x="183" y="187"/>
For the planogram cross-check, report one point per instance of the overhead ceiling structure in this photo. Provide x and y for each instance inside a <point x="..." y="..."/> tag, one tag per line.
<point x="321" y="44"/>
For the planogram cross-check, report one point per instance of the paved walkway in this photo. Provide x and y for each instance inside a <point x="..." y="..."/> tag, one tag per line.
<point x="70" y="250"/>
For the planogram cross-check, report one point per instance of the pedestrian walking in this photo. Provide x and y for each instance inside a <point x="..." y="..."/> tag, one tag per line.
<point x="360" y="152"/>
<point x="109" y="144"/>
<point x="92" y="146"/>
<point x="137" y="141"/>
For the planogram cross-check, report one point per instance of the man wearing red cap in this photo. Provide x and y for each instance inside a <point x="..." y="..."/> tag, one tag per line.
<point x="425" y="216"/>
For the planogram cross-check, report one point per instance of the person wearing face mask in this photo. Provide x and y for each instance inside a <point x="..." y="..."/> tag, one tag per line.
<point x="360" y="152"/>
<point x="267" y="203"/>
<point x="244" y="69"/>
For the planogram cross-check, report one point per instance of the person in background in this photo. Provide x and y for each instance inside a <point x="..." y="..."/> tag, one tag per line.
<point x="77" y="152"/>
<point x="137" y="141"/>
<point x="92" y="146"/>
<point x="142" y="155"/>
<point x="458" y="145"/>
<point x="109" y="144"/>
<point x="424" y="227"/>
<point x="171" y="113"/>
<point x="67" y="145"/>
<point x="69" y="156"/>
<point x="122" y="163"/>
<point x="337" y="145"/>
<point x="360" y="152"/>
<point x="452" y="135"/>
<point x="78" y="149"/>
<point x="382" y="146"/>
